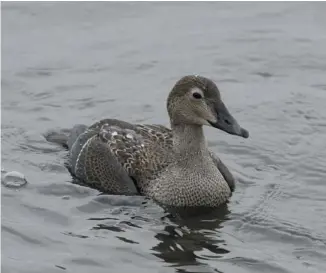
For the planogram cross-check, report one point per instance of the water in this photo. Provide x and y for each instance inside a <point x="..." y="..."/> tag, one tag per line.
<point x="68" y="63"/>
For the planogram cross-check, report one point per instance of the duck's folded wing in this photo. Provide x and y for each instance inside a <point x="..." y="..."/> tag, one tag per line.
<point x="95" y="163"/>
<point x="98" y="167"/>
<point x="116" y="156"/>
<point x="224" y="171"/>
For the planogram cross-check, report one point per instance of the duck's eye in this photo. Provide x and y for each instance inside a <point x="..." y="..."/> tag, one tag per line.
<point x="197" y="95"/>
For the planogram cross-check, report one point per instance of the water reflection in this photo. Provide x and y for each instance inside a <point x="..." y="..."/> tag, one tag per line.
<point x="188" y="237"/>
<point x="185" y="236"/>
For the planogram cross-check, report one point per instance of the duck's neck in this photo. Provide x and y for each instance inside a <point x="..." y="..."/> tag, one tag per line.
<point x="188" y="140"/>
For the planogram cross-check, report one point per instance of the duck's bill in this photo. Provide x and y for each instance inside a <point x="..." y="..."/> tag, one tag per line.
<point x="227" y="123"/>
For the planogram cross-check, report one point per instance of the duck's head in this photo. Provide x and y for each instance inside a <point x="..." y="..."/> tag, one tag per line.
<point x="196" y="100"/>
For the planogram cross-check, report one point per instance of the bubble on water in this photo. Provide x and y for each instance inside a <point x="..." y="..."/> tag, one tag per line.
<point x="14" y="179"/>
<point x="129" y="136"/>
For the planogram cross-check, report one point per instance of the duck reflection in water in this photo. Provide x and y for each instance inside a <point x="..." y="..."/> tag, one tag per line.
<point x="185" y="234"/>
<point x="189" y="233"/>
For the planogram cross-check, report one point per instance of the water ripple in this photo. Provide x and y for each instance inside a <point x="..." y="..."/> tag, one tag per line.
<point x="69" y="63"/>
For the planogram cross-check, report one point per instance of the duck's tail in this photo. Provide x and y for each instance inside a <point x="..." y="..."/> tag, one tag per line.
<point x="65" y="137"/>
<point x="57" y="137"/>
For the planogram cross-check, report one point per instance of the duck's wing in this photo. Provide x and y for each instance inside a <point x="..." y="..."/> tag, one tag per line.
<point x="92" y="161"/>
<point x="97" y="166"/>
<point x="224" y="171"/>
<point x="143" y="151"/>
<point x="110" y="151"/>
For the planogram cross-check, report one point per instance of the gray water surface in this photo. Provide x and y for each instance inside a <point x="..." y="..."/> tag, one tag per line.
<point x="68" y="63"/>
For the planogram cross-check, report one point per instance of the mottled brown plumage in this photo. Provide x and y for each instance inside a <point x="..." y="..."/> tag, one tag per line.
<point x="173" y="166"/>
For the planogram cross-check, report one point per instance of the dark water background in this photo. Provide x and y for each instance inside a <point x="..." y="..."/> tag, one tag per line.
<point x="67" y="63"/>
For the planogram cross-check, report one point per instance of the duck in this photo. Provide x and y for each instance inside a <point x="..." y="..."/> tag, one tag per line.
<point x="173" y="166"/>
